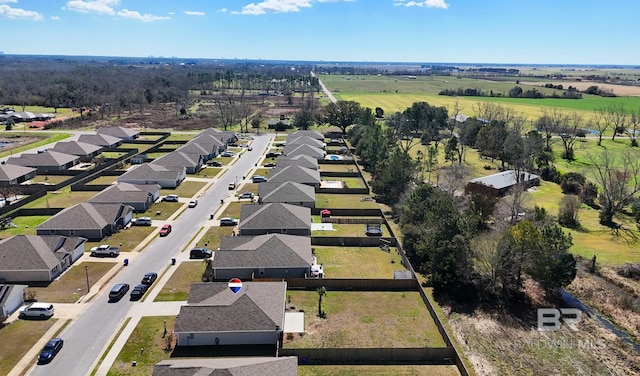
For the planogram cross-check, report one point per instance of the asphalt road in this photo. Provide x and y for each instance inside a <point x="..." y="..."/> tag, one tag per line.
<point x="86" y="337"/>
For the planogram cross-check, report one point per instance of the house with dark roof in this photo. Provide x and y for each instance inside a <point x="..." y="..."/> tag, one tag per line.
<point x="84" y="150"/>
<point x="307" y="133"/>
<point x="211" y="143"/>
<point x="295" y="174"/>
<point x="139" y="196"/>
<point x="46" y="161"/>
<point x="501" y="183"/>
<point x="308" y="150"/>
<point x="103" y="140"/>
<point x="262" y="256"/>
<point x="274" y="218"/>
<point x="148" y="173"/>
<point x="215" y="315"/>
<point x="125" y="134"/>
<point x="11" y="174"/>
<point x="287" y="193"/>
<point x="192" y="163"/>
<point x="11" y="298"/>
<point x="224" y="136"/>
<point x="299" y="160"/>
<point x="305" y="140"/>
<point x="89" y="220"/>
<point x="206" y="151"/>
<point x="35" y="258"/>
<point x="232" y="366"/>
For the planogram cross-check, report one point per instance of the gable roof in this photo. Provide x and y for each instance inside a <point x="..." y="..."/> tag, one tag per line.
<point x="178" y="159"/>
<point x="196" y="148"/>
<point x="308" y="150"/>
<point x="313" y="134"/>
<point x="504" y="179"/>
<point x="274" y="215"/>
<point x="35" y="252"/>
<point x="305" y="140"/>
<point x="85" y="216"/>
<point x="206" y="138"/>
<point x="99" y="139"/>
<point x="298" y="160"/>
<point x="294" y="174"/>
<point x="232" y="366"/>
<point x="126" y="192"/>
<point x="153" y="172"/>
<point x="226" y="135"/>
<point x="44" y="159"/>
<point x="267" y="251"/>
<point x="286" y="192"/>
<point x="118" y="131"/>
<point x="76" y="147"/>
<point x="10" y="172"/>
<point x="212" y="306"/>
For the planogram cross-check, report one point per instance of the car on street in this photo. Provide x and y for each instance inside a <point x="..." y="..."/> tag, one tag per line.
<point x="170" y="198"/>
<point x="200" y="253"/>
<point x="258" y="179"/>
<point x="269" y="165"/>
<point x="39" y="310"/>
<point x="245" y="195"/>
<point x="272" y="154"/>
<point x="142" y="221"/>
<point x="165" y="230"/>
<point x="149" y="278"/>
<point x="228" y="221"/>
<point x="214" y="164"/>
<point x="227" y="154"/>
<point x="193" y="203"/>
<point x="232" y="186"/>
<point x="138" y="291"/>
<point x="118" y="291"/>
<point x="50" y="350"/>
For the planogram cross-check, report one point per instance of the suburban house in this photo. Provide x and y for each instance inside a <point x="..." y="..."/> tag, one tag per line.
<point x="89" y="220"/>
<point x="210" y="142"/>
<point x="272" y="123"/>
<point x="215" y="315"/>
<point x="300" y="160"/>
<point x="11" y="298"/>
<point x="85" y="151"/>
<point x="35" y="258"/>
<point x="224" y="136"/>
<point x="262" y="256"/>
<point x="148" y="173"/>
<point x="139" y="196"/>
<point x="125" y="134"/>
<point x="11" y="174"/>
<point x="233" y="366"/>
<point x="192" y="163"/>
<point x="308" y="150"/>
<point x="307" y="133"/>
<point x="499" y="184"/>
<point x="274" y="218"/>
<point x="287" y="193"/>
<point x="206" y="151"/>
<point x="305" y="140"/>
<point x="103" y="140"/>
<point x="295" y="174"/>
<point x="46" y="161"/>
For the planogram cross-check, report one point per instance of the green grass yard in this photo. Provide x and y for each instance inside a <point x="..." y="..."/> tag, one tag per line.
<point x="73" y="283"/>
<point x="18" y="338"/>
<point x="178" y="285"/>
<point x="358" y="262"/>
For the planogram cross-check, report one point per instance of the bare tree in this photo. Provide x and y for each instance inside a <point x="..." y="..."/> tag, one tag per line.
<point x="618" y="118"/>
<point x="569" y="126"/>
<point x="227" y="109"/>
<point x="633" y="128"/>
<point x="548" y="123"/>
<point x="453" y="120"/>
<point x="454" y="178"/>
<point x="600" y="123"/>
<point x="510" y="208"/>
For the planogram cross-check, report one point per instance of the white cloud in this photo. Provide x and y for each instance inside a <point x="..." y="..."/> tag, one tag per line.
<point x="171" y="13"/>
<point x="223" y="10"/>
<point x="8" y="1"/>
<point x="427" y="3"/>
<point x="7" y="11"/>
<point x="275" y="6"/>
<point x="192" y="13"/>
<point x="55" y="18"/>
<point x="94" y="6"/>
<point x="135" y="15"/>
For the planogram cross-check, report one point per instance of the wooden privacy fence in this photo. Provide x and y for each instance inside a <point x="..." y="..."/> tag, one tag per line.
<point x="348" y="284"/>
<point x="372" y="356"/>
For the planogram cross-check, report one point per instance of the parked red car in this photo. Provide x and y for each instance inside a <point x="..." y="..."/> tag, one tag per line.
<point x="165" y="230"/>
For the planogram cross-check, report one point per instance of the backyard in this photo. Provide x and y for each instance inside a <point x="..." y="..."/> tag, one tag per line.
<point x="358" y="262"/>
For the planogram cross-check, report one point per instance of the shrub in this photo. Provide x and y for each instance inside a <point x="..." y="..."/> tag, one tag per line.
<point x="550" y="173"/>
<point x="572" y="182"/>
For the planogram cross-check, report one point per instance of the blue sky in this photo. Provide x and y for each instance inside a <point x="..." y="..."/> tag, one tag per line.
<point x="467" y="31"/>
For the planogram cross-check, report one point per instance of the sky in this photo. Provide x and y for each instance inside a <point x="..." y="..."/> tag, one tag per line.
<point x="436" y="31"/>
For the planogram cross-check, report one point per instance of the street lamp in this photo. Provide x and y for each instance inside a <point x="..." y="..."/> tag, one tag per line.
<point x="86" y="272"/>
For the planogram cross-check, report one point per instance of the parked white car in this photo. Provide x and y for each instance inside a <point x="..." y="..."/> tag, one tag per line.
<point x="39" y="310"/>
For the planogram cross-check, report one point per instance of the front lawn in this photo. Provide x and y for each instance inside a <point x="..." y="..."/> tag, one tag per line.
<point x="73" y="283"/>
<point x="127" y="239"/>
<point x="177" y="287"/>
<point x="18" y="338"/>
<point x="358" y="262"/>
<point x="185" y="189"/>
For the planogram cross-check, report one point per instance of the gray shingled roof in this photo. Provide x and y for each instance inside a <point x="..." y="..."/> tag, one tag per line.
<point x="85" y="216"/>
<point x="45" y="159"/>
<point x="99" y="139"/>
<point x="233" y="366"/>
<point x="268" y="251"/>
<point x="118" y="131"/>
<point x="304" y="140"/>
<point x="212" y="306"/>
<point x="308" y="150"/>
<point x="312" y="134"/>
<point x="195" y="148"/>
<point x="503" y="179"/>
<point x="227" y="135"/>
<point x="208" y="139"/>
<point x="298" y="160"/>
<point x="288" y="192"/>
<point x="148" y="171"/>
<point x="34" y="252"/>
<point x="76" y="148"/>
<point x="294" y="174"/>
<point x="126" y="192"/>
<point x="10" y="172"/>
<point x="178" y="159"/>
<point x="274" y="216"/>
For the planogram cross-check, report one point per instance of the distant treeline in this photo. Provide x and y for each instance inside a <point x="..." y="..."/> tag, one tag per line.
<point x="516" y="92"/>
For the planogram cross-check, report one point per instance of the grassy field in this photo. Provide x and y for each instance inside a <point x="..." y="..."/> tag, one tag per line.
<point x="18" y="338"/>
<point x="127" y="239"/>
<point x="39" y="139"/>
<point x="328" y="200"/>
<point x="377" y="370"/>
<point x="233" y="209"/>
<point x="25" y="226"/>
<point x="147" y="335"/>
<point x="364" y="319"/>
<point x="60" y="199"/>
<point x="185" y="189"/>
<point x="73" y="284"/>
<point x="177" y="287"/>
<point x="358" y="262"/>
<point x="344" y="229"/>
